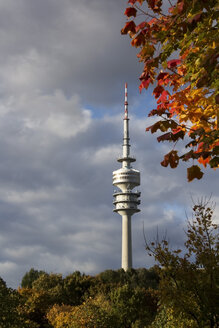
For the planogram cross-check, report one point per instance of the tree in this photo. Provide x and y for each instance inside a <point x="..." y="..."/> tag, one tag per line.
<point x="134" y="307"/>
<point x="94" y="312"/>
<point x="9" y="308"/>
<point x="76" y="286"/>
<point x="46" y="291"/>
<point x="167" y="318"/>
<point x="179" y="49"/>
<point x="30" y="277"/>
<point x="189" y="283"/>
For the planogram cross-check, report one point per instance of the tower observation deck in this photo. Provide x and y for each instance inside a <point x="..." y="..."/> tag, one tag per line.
<point x="126" y="201"/>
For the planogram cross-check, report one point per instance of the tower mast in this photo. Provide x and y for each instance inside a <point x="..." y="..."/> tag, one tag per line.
<point x="126" y="201"/>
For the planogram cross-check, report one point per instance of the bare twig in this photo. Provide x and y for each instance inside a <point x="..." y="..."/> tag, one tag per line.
<point x="144" y="12"/>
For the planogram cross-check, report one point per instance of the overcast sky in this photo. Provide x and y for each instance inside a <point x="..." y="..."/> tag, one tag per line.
<point x="63" y="66"/>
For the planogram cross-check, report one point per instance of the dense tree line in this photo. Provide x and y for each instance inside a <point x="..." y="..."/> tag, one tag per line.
<point x="181" y="292"/>
<point x="109" y="299"/>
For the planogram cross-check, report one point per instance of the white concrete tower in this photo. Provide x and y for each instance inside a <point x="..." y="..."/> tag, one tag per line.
<point x="126" y="201"/>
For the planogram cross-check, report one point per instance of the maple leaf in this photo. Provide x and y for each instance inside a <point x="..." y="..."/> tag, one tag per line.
<point x="132" y="2"/>
<point x="141" y="26"/>
<point x="214" y="162"/>
<point x="131" y="11"/>
<point x="163" y="97"/>
<point x="180" y="6"/>
<point x="129" y="27"/>
<point x="171" y="158"/>
<point x="139" y="40"/>
<point x="144" y="84"/>
<point x="152" y="21"/>
<point x="157" y="91"/>
<point x="194" y="172"/>
<point x="155" y="5"/>
<point x="165" y="137"/>
<point x="173" y="63"/>
<point x="162" y="76"/>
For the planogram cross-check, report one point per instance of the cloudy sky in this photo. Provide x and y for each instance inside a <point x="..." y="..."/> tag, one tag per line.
<point x="63" y="66"/>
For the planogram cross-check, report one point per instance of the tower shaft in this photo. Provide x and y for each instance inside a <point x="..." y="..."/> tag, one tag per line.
<point x="126" y="242"/>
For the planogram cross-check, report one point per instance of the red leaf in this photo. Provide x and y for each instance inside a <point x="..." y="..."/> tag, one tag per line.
<point x="187" y="156"/>
<point x="141" y="26"/>
<point x="173" y="63"/>
<point x="144" y="76"/>
<point x="157" y="91"/>
<point x="162" y="75"/>
<point x="164" y="137"/>
<point x="130" y="12"/>
<point x="172" y="9"/>
<point x="132" y="2"/>
<point x="175" y="131"/>
<point x="159" y="112"/>
<point x="163" y="97"/>
<point x="138" y="41"/>
<point x="178" y="134"/>
<point x="163" y="78"/>
<point x="180" y="6"/>
<point x="155" y="5"/>
<point x="194" y="172"/>
<point x="151" y="3"/>
<point x="152" y="21"/>
<point x="129" y="27"/>
<point x="144" y="84"/>
<point x="154" y="127"/>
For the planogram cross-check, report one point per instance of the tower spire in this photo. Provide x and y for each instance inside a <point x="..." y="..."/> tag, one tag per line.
<point x="126" y="201"/>
<point x="126" y="146"/>
<point x="126" y="101"/>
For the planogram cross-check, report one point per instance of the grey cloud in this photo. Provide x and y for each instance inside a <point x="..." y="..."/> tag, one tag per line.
<point x="68" y="45"/>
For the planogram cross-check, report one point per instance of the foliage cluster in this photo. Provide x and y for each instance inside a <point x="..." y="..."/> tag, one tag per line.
<point x="179" y="43"/>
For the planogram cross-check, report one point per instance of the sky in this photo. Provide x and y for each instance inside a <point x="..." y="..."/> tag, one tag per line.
<point x="63" y="67"/>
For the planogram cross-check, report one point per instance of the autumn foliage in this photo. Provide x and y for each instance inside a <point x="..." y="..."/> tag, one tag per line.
<point x="178" y="43"/>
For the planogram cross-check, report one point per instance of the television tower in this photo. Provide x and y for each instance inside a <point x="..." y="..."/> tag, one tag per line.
<point x="126" y="201"/>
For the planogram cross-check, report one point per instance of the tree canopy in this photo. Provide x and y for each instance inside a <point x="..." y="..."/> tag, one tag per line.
<point x="179" y="44"/>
